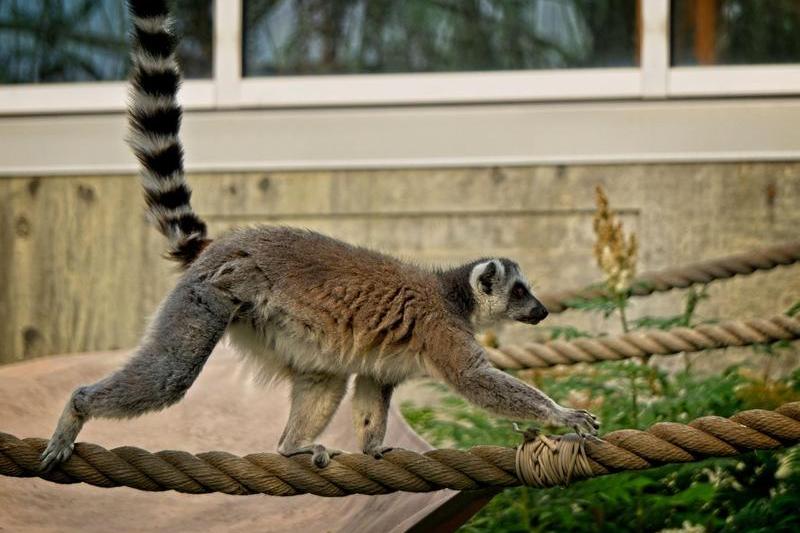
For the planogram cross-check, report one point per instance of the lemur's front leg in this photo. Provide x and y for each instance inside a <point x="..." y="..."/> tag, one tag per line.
<point x="315" y="398"/>
<point x="505" y="395"/>
<point x="370" y="412"/>
<point x="467" y="370"/>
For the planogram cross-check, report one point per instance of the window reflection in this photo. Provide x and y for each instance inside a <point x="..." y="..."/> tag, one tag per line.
<point x="373" y="36"/>
<point x="86" y="40"/>
<point x="730" y="32"/>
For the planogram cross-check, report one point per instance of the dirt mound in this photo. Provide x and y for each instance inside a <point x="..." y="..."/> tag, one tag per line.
<point x="224" y="410"/>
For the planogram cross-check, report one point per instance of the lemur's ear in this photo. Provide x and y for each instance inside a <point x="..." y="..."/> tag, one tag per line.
<point x="487" y="276"/>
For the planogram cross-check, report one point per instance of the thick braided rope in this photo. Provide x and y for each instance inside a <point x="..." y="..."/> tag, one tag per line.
<point x="685" y="276"/>
<point x="399" y="470"/>
<point x="644" y="343"/>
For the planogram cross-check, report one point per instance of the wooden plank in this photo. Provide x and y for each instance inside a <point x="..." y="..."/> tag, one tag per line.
<point x="81" y="270"/>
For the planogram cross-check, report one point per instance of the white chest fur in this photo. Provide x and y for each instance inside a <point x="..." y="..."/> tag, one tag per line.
<point x="280" y="347"/>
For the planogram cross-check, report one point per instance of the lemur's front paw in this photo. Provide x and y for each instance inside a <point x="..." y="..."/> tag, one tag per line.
<point x="580" y="420"/>
<point x="58" y="450"/>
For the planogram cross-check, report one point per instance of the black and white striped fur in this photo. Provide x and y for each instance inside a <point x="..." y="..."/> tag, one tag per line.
<point x="154" y="117"/>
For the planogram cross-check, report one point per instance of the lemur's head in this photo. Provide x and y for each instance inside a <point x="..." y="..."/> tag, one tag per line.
<point x="490" y="291"/>
<point x="501" y="292"/>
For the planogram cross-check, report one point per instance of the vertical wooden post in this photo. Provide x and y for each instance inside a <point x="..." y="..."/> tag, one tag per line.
<point x="705" y="31"/>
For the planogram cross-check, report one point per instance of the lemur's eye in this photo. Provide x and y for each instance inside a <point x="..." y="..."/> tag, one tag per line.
<point x="519" y="290"/>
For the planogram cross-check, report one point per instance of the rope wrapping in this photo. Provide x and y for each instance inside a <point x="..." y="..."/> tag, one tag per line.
<point x="643" y="343"/>
<point x="685" y="276"/>
<point x="404" y="470"/>
<point x="546" y="462"/>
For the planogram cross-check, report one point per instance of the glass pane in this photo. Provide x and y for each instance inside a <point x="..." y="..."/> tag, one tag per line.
<point x="86" y="40"/>
<point x="735" y="32"/>
<point x="291" y="37"/>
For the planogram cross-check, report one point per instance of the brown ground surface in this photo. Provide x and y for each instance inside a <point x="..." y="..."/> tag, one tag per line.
<point x="224" y="410"/>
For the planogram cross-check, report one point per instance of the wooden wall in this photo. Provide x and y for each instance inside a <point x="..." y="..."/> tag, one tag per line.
<point x="80" y="270"/>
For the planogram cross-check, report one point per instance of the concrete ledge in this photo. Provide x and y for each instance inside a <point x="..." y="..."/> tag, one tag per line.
<point x="421" y="136"/>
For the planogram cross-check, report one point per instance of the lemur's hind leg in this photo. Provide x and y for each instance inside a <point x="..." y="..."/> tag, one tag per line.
<point x="188" y="325"/>
<point x="370" y="411"/>
<point x="315" y="398"/>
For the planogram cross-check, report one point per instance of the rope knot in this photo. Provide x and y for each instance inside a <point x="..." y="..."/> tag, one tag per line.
<point x="544" y="461"/>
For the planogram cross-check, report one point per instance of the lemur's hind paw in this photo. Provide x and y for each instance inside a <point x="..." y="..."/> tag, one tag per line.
<point x="61" y="444"/>
<point x="320" y="455"/>
<point x="58" y="450"/>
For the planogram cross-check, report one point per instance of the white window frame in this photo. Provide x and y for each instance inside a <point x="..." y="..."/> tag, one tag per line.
<point x="749" y="80"/>
<point x="89" y="97"/>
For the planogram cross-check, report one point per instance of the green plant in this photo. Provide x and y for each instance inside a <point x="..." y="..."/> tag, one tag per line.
<point x="716" y="494"/>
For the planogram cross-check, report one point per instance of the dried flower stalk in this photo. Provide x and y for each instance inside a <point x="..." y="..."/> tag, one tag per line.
<point x="615" y="254"/>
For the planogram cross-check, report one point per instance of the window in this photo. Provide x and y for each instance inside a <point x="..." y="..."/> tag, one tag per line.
<point x="296" y="37"/>
<point x="341" y="53"/>
<point x="44" y="41"/>
<point x="735" y="32"/>
<point x="612" y="81"/>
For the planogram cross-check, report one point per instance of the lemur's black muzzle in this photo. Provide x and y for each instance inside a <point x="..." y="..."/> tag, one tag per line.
<point x="537" y="314"/>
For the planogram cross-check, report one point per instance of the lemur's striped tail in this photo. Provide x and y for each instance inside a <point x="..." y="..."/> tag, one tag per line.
<point x="154" y="119"/>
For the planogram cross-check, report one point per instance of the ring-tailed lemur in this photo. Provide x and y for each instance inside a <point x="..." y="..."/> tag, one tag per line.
<point x="305" y="307"/>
